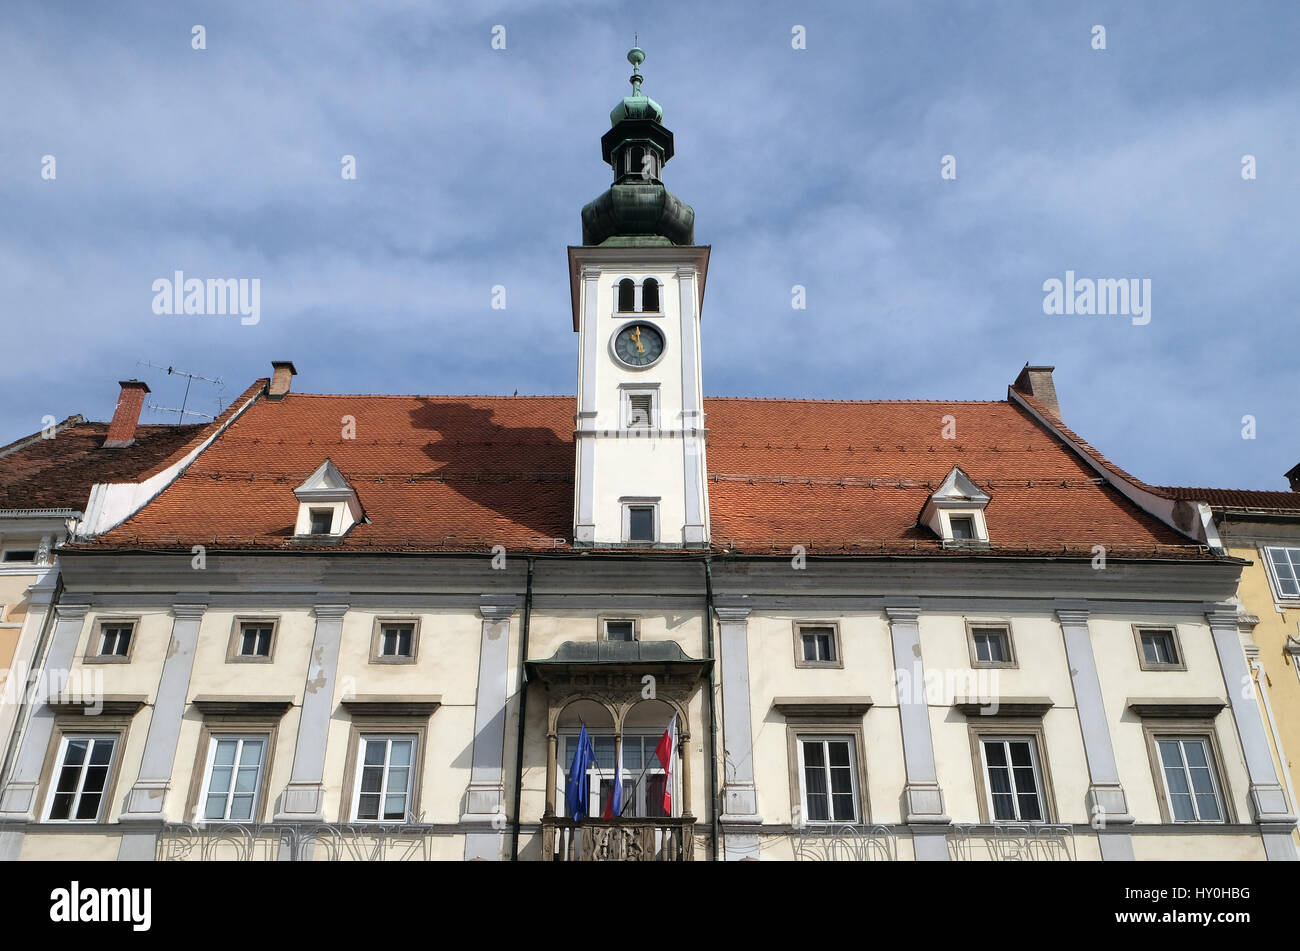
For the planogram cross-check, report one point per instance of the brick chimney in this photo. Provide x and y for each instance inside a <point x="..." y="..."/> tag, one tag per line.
<point x="130" y="401"/>
<point x="282" y="374"/>
<point x="1036" y="383"/>
<point x="1293" y="477"/>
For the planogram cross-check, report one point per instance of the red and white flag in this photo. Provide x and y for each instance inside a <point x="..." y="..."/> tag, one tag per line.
<point x="667" y="753"/>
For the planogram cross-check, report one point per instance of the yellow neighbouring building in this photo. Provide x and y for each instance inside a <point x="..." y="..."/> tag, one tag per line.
<point x="1263" y="528"/>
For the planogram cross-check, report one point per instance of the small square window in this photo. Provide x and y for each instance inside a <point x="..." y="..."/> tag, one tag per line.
<point x="396" y="640"/>
<point x="620" y="630"/>
<point x="963" y="526"/>
<point x="115" y="639"/>
<point x="990" y="646"/>
<point x="321" y="521"/>
<point x="818" y="644"/>
<point x="255" y="639"/>
<point x="1158" y="649"/>
<point x="641" y="523"/>
<point x="20" y="554"/>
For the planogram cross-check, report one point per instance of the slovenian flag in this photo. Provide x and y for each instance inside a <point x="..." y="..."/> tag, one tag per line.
<point x="666" y="751"/>
<point x="614" y="804"/>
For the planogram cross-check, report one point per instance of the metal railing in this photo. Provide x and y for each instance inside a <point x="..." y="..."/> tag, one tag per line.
<point x="618" y="840"/>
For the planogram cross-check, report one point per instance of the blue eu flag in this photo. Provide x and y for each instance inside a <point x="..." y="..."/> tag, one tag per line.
<point x="576" y="792"/>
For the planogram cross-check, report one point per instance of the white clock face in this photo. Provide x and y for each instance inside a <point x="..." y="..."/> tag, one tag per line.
<point x="639" y="345"/>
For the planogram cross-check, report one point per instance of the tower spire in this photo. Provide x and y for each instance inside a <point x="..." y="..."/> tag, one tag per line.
<point x="636" y="56"/>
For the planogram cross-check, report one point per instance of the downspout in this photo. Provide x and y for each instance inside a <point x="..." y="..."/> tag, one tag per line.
<point x="523" y="710"/>
<point x="1261" y="686"/>
<point x="713" y="713"/>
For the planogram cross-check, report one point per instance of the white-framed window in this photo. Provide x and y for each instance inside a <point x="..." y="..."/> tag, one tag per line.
<point x="644" y="799"/>
<point x="19" y="554"/>
<point x="232" y="779"/>
<point x="650" y="296"/>
<point x="828" y="778"/>
<point x="255" y="638"/>
<point x="81" y="777"/>
<point x="1191" y="780"/>
<point x="387" y="773"/>
<point x="115" y="638"/>
<point x="396" y="639"/>
<point x="1013" y="779"/>
<point x="818" y="643"/>
<point x="322" y="520"/>
<point x="619" y="629"/>
<point x="626" y="293"/>
<point x="1284" y="572"/>
<point x="640" y="521"/>
<point x="962" y="526"/>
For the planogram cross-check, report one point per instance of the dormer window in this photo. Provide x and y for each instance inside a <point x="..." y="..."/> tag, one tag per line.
<point x="955" y="512"/>
<point x="327" y="505"/>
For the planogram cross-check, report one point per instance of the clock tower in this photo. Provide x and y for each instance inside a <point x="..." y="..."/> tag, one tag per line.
<point x="637" y="284"/>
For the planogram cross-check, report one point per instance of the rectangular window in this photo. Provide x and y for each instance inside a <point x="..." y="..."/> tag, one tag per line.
<point x="620" y="630"/>
<point x="1187" y="764"/>
<point x="396" y="640"/>
<point x="321" y="521"/>
<point x="641" y="523"/>
<point x="963" y="526"/>
<point x="233" y="778"/>
<point x="640" y="411"/>
<point x="1014" y="787"/>
<point x="827" y="779"/>
<point x="1285" y="565"/>
<point x="255" y="638"/>
<point x="115" y="638"/>
<point x="20" y="554"/>
<point x="387" y="773"/>
<point x="992" y="645"/>
<point x="818" y="644"/>
<point x="81" y="778"/>
<point x="1159" y="648"/>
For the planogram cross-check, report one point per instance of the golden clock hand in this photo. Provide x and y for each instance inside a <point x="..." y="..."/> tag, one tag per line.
<point x="636" y="335"/>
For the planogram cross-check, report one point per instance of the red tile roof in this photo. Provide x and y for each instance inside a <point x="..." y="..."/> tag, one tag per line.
<point x="1236" y="498"/>
<point x="57" y="473"/>
<point x="466" y="473"/>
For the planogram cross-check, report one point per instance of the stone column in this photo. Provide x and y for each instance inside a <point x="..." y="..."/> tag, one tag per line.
<point x="1267" y="798"/>
<point x="304" y="797"/>
<point x="552" y="753"/>
<point x="684" y="746"/>
<point x="18" y="799"/>
<point x="144" y="813"/>
<point x="740" y="816"/>
<point x="922" y="797"/>
<point x="1106" y="802"/>
<point x="485" y="810"/>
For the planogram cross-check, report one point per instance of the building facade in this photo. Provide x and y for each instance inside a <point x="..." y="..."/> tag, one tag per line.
<point x="380" y="627"/>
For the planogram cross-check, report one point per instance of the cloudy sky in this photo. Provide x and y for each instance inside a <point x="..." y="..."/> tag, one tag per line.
<point x="818" y="166"/>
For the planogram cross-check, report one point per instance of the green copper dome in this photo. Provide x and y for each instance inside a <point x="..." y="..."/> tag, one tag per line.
<point x="636" y="107"/>
<point x="638" y="209"/>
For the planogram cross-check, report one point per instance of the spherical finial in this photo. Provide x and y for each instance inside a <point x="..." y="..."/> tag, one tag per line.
<point x="636" y="56"/>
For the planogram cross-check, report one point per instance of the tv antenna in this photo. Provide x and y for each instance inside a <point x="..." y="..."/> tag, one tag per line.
<point x="189" y="380"/>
